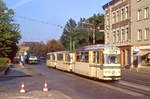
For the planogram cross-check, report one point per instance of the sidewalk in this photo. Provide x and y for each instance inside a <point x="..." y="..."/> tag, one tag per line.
<point x="21" y="71"/>
<point x="33" y="84"/>
<point x="141" y="69"/>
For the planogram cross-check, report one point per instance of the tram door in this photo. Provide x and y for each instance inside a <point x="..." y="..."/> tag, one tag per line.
<point x="72" y="61"/>
<point x="97" y="63"/>
<point x="92" y="65"/>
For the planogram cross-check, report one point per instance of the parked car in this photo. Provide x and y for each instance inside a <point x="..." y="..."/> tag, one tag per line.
<point x="32" y="60"/>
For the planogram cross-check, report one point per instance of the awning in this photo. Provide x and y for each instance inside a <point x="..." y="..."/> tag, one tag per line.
<point x="142" y="53"/>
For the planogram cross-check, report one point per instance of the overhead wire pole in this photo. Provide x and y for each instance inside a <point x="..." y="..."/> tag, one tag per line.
<point x="94" y="28"/>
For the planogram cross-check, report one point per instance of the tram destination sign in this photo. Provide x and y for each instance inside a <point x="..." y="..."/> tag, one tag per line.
<point x="111" y="51"/>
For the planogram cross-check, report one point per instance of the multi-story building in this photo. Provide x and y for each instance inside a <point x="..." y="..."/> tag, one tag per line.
<point x="140" y="29"/>
<point x="118" y="27"/>
<point x="127" y="25"/>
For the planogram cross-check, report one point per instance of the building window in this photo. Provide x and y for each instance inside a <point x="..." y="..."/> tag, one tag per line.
<point x="114" y="37"/>
<point x="122" y="14"/>
<point x="127" y="34"/>
<point x="146" y="34"/>
<point x="139" y="17"/>
<point x="123" y="35"/>
<point x="114" y="17"/>
<point x="127" y="12"/>
<point x="107" y="19"/>
<point x="139" y="35"/>
<point x="117" y="36"/>
<point x="146" y="13"/>
<point x="117" y="17"/>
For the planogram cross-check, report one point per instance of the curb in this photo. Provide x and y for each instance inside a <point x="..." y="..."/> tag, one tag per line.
<point x="138" y="70"/>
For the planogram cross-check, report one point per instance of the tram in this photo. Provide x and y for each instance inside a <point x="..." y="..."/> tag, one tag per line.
<point x="96" y="61"/>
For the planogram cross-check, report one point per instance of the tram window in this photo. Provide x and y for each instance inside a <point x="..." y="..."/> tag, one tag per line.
<point x="60" y="57"/>
<point x="112" y="59"/>
<point x="48" y="57"/>
<point x="98" y="57"/>
<point x="82" y="57"/>
<point x="53" y="57"/>
<point x="67" y="57"/>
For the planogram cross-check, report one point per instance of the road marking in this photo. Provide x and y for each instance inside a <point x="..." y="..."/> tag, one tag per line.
<point x="138" y="86"/>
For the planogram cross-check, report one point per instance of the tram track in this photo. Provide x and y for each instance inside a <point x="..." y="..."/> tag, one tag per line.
<point x="127" y="87"/>
<point x="141" y="82"/>
<point x="137" y="88"/>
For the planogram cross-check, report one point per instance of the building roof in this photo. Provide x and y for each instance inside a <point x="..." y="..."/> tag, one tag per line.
<point x="112" y="2"/>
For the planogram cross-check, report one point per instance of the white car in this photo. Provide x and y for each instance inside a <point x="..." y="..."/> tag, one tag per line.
<point x="32" y="60"/>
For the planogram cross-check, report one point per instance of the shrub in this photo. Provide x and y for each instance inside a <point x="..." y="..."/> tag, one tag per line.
<point x="3" y="61"/>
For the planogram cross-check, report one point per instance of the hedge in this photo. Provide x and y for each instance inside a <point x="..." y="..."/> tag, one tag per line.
<point x="3" y="61"/>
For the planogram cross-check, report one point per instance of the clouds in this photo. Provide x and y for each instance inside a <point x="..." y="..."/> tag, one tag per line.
<point x="21" y="3"/>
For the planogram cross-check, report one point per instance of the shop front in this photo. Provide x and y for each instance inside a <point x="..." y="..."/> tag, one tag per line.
<point x="141" y="56"/>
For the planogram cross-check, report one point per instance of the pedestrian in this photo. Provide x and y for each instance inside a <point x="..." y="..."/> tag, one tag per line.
<point x="22" y="60"/>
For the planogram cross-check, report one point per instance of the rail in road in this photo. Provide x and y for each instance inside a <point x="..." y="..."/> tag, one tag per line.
<point x="126" y="87"/>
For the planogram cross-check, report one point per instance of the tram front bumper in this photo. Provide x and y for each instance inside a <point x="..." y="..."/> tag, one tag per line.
<point x="112" y="77"/>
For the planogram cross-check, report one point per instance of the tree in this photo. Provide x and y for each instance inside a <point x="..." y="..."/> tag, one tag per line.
<point x="54" y="45"/>
<point x="78" y="35"/>
<point x="68" y="31"/>
<point x="98" y="22"/>
<point x="9" y="32"/>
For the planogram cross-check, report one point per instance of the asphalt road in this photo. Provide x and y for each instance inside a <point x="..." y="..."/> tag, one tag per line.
<point x="63" y="85"/>
<point x="83" y="88"/>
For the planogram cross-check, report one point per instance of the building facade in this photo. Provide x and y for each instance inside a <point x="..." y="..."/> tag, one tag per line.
<point x="140" y="29"/>
<point x="118" y="27"/>
<point x="127" y="26"/>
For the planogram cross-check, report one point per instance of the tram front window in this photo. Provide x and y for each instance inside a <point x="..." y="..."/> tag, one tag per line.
<point x="112" y="59"/>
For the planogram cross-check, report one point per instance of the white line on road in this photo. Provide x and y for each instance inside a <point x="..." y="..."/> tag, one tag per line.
<point x="138" y="86"/>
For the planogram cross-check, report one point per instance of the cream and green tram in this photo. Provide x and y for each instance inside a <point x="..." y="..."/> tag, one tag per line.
<point x="51" y="59"/>
<point x="98" y="61"/>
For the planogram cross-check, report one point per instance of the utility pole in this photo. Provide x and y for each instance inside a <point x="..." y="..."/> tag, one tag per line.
<point x="93" y="32"/>
<point x="94" y="35"/>
<point x="74" y="46"/>
<point x="70" y="43"/>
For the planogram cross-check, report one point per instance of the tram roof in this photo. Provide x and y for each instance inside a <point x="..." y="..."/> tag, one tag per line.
<point x="58" y="52"/>
<point x="86" y="48"/>
<point x="96" y="47"/>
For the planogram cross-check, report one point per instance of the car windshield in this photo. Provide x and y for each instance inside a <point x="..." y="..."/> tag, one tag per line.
<point x="32" y="56"/>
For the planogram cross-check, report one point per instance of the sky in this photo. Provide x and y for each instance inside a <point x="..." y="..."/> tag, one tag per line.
<point x="53" y="12"/>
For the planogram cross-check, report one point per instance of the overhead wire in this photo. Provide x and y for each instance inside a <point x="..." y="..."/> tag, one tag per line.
<point x="39" y="21"/>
